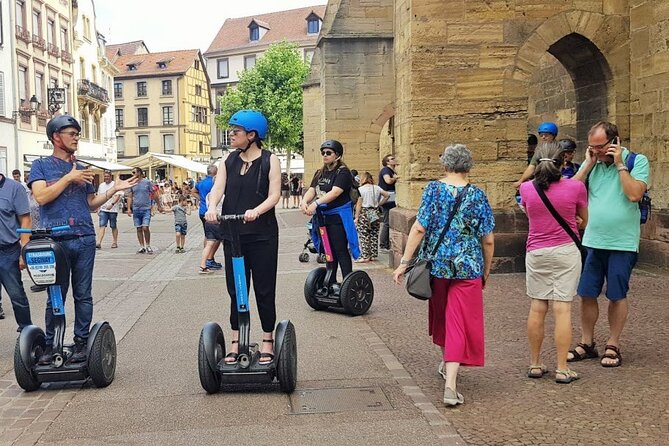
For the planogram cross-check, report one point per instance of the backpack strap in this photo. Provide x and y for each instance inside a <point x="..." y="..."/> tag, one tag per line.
<point x="629" y="162"/>
<point x="263" y="172"/>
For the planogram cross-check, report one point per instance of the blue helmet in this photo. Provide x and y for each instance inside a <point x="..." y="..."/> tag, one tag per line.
<point x="548" y="127"/>
<point x="250" y="121"/>
<point x="59" y="123"/>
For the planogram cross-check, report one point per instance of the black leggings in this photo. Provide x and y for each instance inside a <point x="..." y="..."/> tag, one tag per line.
<point x="339" y="246"/>
<point x="260" y="260"/>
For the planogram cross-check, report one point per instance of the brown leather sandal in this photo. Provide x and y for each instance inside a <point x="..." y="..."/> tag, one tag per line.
<point x="614" y="355"/>
<point x="590" y="352"/>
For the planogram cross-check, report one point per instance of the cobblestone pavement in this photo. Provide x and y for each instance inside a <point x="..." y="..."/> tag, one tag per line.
<point x="626" y="405"/>
<point x="159" y="401"/>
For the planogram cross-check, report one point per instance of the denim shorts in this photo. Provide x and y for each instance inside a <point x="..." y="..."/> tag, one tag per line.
<point x="108" y="217"/>
<point x="614" y="266"/>
<point x="141" y="217"/>
<point x="181" y="229"/>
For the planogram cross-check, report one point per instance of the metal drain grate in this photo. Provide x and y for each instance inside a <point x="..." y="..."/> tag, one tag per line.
<point x="338" y="400"/>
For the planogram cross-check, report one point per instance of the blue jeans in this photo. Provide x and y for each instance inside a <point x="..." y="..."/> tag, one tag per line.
<point x="10" y="278"/>
<point x="81" y="254"/>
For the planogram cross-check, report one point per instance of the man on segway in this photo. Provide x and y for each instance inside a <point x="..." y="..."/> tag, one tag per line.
<point x="64" y="190"/>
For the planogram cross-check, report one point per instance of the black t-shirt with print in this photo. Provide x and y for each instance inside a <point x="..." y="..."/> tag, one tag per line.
<point x="341" y="178"/>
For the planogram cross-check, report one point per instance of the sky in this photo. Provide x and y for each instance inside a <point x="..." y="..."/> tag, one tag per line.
<point x="192" y="24"/>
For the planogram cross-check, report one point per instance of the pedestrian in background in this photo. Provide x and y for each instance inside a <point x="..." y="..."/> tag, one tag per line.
<point x="569" y="167"/>
<point x="553" y="261"/>
<point x="140" y="207"/>
<point x="181" y="209"/>
<point x="460" y="267"/>
<point x="212" y="237"/>
<point x="368" y="215"/>
<point x="14" y="214"/>
<point x="108" y="212"/>
<point x="387" y="179"/>
<point x="547" y="133"/>
<point x="285" y="191"/>
<point x="295" y="191"/>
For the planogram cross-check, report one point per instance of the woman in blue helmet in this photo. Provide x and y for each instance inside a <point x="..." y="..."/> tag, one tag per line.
<point x="249" y="181"/>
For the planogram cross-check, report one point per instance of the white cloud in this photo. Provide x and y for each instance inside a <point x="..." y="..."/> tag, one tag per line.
<point x="164" y="26"/>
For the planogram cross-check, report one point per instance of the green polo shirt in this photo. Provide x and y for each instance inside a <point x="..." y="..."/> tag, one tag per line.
<point x="613" y="220"/>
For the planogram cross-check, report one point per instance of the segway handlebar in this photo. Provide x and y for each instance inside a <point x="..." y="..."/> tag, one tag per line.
<point x="43" y="231"/>
<point x="230" y="217"/>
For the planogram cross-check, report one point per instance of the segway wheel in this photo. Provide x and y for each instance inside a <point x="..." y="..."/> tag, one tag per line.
<point x="311" y="285"/>
<point x="357" y="293"/>
<point x="304" y="257"/>
<point x="210" y="352"/>
<point x="321" y="258"/>
<point x="286" y="367"/>
<point x="102" y="358"/>
<point x="34" y="343"/>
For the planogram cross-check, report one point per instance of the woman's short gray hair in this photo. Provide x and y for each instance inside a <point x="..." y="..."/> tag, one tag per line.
<point x="457" y="158"/>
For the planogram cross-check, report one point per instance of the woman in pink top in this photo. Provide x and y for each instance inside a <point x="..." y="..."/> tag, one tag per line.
<point x="553" y="261"/>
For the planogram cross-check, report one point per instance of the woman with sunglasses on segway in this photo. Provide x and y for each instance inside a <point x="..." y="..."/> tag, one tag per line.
<point x="330" y="191"/>
<point x="249" y="181"/>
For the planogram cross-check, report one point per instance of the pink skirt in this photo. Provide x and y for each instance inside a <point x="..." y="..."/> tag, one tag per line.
<point x="456" y="320"/>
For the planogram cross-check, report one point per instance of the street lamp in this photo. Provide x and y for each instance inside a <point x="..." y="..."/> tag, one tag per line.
<point x="34" y="105"/>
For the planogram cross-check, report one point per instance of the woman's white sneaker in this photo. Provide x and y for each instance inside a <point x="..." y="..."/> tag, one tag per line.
<point x="452" y="398"/>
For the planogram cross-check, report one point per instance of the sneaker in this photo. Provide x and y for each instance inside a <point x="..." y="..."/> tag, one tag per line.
<point x="452" y="398"/>
<point x="441" y="369"/>
<point x="79" y="354"/>
<point x="46" y="357"/>
<point x="149" y="250"/>
<point x="141" y="250"/>
<point x="212" y="264"/>
<point x="2" y="312"/>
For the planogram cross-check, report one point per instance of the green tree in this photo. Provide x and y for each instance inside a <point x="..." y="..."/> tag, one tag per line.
<point x="274" y="87"/>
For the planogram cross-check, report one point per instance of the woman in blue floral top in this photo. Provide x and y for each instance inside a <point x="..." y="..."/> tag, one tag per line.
<point x="460" y="267"/>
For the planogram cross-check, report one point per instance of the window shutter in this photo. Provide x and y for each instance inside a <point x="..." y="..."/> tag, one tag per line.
<point x="2" y="94"/>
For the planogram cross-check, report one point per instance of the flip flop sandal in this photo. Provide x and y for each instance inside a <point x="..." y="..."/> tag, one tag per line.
<point x="569" y="376"/>
<point x="590" y="352"/>
<point x="232" y="355"/>
<point x="531" y="371"/>
<point x="114" y="245"/>
<point x="615" y="355"/>
<point x="268" y="357"/>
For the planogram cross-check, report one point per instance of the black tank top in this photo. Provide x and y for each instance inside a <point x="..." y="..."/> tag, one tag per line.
<point x="243" y="192"/>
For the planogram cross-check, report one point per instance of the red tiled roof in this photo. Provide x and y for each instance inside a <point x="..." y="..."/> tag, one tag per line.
<point x="128" y="47"/>
<point x="178" y="62"/>
<point x="288" y="25"/>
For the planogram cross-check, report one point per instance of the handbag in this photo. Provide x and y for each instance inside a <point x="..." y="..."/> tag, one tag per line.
<point x="372" y="214"/>
<point x="417" y="279"/>
<point x="561" y="222"/>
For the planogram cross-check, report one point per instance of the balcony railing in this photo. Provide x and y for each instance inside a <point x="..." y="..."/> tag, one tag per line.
<point x="53" y="50"/>
<point x="23" y="34"/>
<point x="88" y="88"/>
<point x="66" y="56"/>
<point x="38" y="42"/>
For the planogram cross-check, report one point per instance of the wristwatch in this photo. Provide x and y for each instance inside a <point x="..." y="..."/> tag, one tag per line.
<point x="405" y="262"/>
<point x="621" y="168"/>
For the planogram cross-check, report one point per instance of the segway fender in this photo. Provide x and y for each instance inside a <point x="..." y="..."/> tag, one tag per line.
<point x="92" y="334"/>
<point x="279" y="336"/>
<point x="26" y="340"/>
<point x="209" y="334"/>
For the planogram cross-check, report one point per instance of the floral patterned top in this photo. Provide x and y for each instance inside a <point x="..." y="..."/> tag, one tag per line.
<point x="460" y="255"/>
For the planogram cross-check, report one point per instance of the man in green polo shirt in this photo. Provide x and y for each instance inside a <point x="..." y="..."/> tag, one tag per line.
<point x="611" y="237"/>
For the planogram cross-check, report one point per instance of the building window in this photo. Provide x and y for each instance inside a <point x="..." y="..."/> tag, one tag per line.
<point x="223" y="68"/>
<point x="118" y="90"/>
<point x="96" y="130"/>
<point x="66" y="105"/>
<point x="167" y="88"/>
<point x="199" y="114"/>
<point x="21" y="13"/>
<point x="120" y="146"/>
<point x="119" y="118"/>
<point x="313" y="25"/>
<point x="3" y="110"/>
<point x="142" y="117"/>
<point x="82" y="68"/>
<point x="168" y="144"/>
<point x="141" y="89"/>
<point x="168" y="115"/>
<point x="84" y="127"/>
<point x="254" y="32"/>
<point x="3" y="160"/>
<point x="143" y="143"/>
<point x="249" y="61"/>
<point x="39" y="87"/>
<point x="198" y="90"/>
<point x="308" y="55"/>
<point x="51" y="32"/>
<point x="197" y="64"/>
<point x="23" y="86"/>
<point x="37" y="23"/>
<point x="200" y="147"/>
<point x="64" y="40"/>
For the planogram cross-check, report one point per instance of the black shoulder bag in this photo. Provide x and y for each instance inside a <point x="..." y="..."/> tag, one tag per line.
<point x="558" y="218"/>
<point x="417" y="280"/>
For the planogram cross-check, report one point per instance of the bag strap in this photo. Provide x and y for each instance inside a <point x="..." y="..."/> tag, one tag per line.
<point x="458" y="200"/>
<point x="556" y="215"/>
<point x="630" y="161"/>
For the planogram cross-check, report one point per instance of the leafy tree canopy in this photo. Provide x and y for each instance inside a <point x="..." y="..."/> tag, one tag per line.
<point x="274" y="87"/>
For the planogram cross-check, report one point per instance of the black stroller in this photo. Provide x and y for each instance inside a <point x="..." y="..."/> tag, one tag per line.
<point x="310" y="248"/>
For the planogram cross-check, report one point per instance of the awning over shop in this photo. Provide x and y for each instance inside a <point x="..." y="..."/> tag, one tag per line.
<point x="93" y="162"/>
<point x="152" y="160"/>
